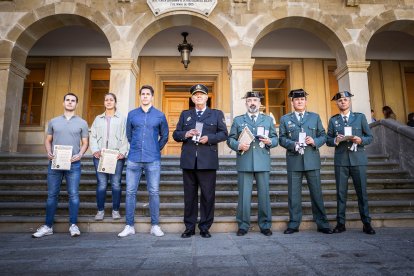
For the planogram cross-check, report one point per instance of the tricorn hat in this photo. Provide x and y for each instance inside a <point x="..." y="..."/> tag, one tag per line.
<point x="255" y="94"/>
<point x="198" y="88"/>
<point x="339" y="95"/>
<point x="297" y="93"/>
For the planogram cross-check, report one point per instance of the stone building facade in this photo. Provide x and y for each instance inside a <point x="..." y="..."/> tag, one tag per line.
<point x="364" y="46"/>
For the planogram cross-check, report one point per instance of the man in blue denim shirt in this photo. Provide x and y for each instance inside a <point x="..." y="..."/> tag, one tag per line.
<point x="147" y="133"/>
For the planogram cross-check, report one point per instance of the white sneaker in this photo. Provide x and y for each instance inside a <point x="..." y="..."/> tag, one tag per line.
<point x="128" y="230"/>
<point x="44" y="230"/>
<point x="156" y="231"/>
<point x="100" y="215"/>
<point x="116" y="215"/>
<point x="74" y="230"/>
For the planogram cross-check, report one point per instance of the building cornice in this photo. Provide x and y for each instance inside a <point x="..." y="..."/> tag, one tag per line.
<point x="124" y="64"/>
<point x="14" y="67"/>
<point x="352" y="66"/>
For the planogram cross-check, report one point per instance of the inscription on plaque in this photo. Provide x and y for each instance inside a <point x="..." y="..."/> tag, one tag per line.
<point x="204" y="7"/>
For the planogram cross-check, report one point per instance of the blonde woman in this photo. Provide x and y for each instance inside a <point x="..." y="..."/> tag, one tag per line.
<point x="108" y="131"/>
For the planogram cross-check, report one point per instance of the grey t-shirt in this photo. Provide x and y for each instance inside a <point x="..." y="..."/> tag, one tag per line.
<point x="68" y="132"/>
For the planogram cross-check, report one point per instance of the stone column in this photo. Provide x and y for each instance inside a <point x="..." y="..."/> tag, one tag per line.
<point x="241" y="82"/>
<point x="12" y="75"/>
<point x="124" y="73"/>
<point x="353" y="77"/>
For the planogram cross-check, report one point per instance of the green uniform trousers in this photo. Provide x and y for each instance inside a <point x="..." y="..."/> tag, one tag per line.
<point x="359" y="178"/>
<point x="245" y="185"/>
<point x="313" y="178"/>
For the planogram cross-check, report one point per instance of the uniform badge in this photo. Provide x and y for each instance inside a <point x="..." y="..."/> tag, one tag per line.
<point x="189" y="118"/>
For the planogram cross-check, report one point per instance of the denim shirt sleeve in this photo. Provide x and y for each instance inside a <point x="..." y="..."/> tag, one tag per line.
<point x="128" y="131"/>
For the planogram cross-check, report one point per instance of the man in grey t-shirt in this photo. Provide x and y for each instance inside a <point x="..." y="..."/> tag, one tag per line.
<point x="65" y="130"/>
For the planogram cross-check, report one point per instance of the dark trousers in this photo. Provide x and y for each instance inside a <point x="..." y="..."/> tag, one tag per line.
<point x="206" y="180"/>
<point x="359" y="178"/>
<point x="313" y="178"/>
<point x="245" y="185"/>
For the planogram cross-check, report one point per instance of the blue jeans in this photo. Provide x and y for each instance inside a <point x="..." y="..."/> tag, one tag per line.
<point x="134" y="171"/>
<point x="114" y="179"/>
<point x="54" y="180"/>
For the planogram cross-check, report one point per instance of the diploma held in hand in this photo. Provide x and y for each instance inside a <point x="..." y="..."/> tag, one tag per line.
<point x="62" y="159"/>
<point x="108" y="161"/>
<point x="246" y="136"/>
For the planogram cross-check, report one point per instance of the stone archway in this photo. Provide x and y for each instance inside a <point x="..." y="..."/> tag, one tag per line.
<point x="142" y="34"/>
<point x="392" y="63"/>
<point x="320" y="28"/>
<point x="16" y="46"/>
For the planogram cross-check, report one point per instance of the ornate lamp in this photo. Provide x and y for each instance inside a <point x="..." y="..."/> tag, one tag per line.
<point x="185" y="49"/>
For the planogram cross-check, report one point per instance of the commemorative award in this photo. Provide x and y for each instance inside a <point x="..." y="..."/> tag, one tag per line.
<point x="108" y="161"/>
<point x="199" y="128"/>
<point x="62" y="159"/>
<point x="347" y="134"/>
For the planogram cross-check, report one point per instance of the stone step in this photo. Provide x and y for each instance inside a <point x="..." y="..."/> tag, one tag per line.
<point x="222" y="185"/>
<point x="221" y="196"/>
<point x="221" y="175"/>
<point x="10" y="157"/>
<point x="221" y="209"/>
<point x="29" y="224"/>
<point x="87" y="166"/>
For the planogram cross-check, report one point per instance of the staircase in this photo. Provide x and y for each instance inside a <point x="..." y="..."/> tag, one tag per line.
<point x="23" y="193"/>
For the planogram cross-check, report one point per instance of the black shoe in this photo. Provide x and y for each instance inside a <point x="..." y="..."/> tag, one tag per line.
<point x="368" y="229"/>
<point x="205" y="234"/>
<point x="241" y="232"/>
<point x="187" y="233"/>
<point x="325" y="230"/>
<point x="290" y="231"/>
<point x="266" y="232"/>
<point x="339" y="228"/>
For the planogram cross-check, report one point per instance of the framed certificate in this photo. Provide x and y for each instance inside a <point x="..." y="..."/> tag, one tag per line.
<point x="63" y="156"/>
<point x="108" y="161"/>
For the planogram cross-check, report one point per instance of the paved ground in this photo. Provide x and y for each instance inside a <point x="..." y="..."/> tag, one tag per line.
<point x="390" y="252"/>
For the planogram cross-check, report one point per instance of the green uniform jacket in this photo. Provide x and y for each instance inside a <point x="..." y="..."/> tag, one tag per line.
<point x="360" y="127"/>
<point x="289" y="134"/>
<point x="256" y="159"/>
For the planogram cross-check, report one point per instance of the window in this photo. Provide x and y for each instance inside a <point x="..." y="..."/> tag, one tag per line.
<point x="31" y="109"/>
<point x="273" y="85"/>
<point x="98" y="87"/>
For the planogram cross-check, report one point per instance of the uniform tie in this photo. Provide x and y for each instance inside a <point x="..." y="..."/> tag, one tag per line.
<point x="199" y="114"/>
<point x="253" y="118"/>
<point x="301" y="118"/>
<point x="346" y="120"/>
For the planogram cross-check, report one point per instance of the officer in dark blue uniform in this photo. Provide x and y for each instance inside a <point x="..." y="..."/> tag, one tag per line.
<point x="349" y="132"/>
<point x="199" y="159"/>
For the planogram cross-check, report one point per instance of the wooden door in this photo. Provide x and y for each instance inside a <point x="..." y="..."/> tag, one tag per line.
<point x="176" y="98"/>
<point x="173" y="106"/>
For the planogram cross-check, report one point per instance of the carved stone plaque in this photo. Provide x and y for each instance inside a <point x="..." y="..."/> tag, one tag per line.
<point x="204" y="7"/>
